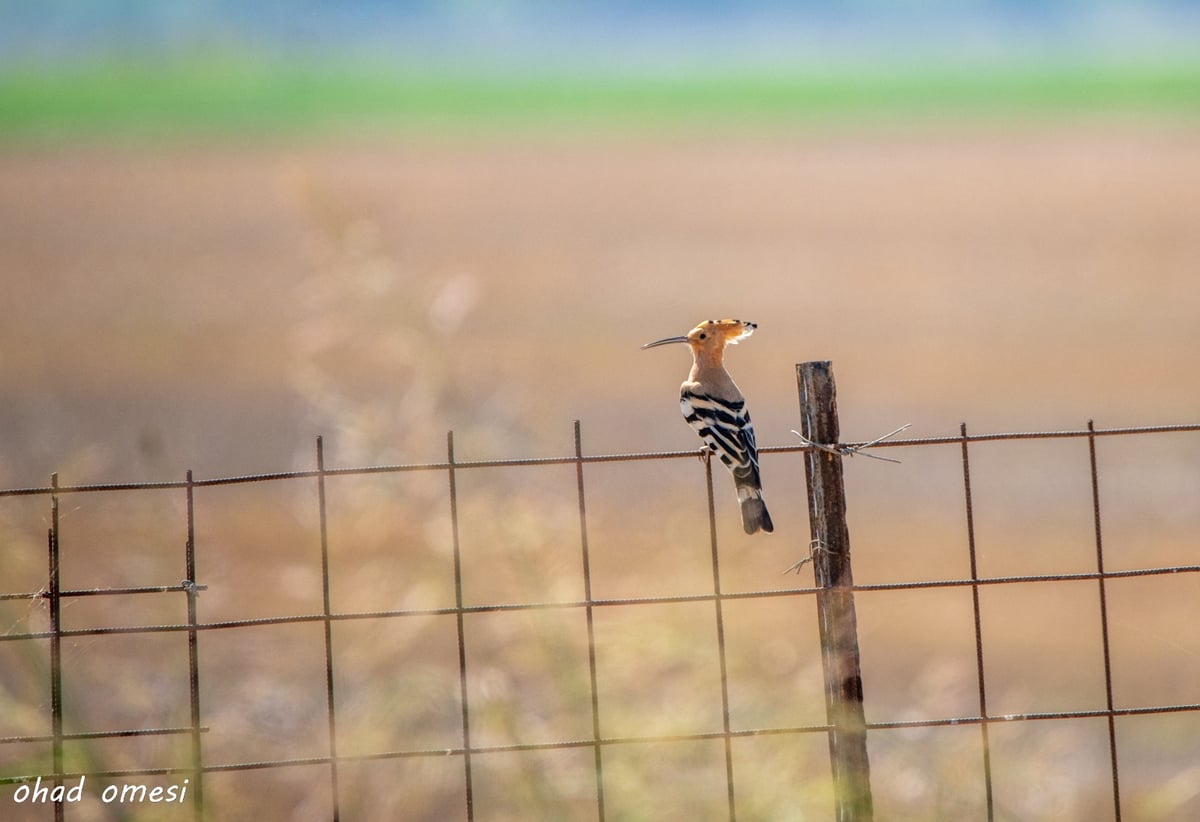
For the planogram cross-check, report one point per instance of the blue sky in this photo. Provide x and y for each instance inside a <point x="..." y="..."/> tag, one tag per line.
<point x="621" y="33"/>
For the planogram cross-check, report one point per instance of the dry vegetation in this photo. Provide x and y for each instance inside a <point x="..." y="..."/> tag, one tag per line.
<point x="215" y="308"/>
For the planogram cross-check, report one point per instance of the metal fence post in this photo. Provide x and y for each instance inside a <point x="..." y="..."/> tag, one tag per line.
<point x="192" y="590"/>
<point x="330" y="700"/>
<point x="56" y="694"/>
<point x="835" y="599"/>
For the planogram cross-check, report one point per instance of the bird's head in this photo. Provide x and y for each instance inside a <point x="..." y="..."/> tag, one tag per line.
<point x="711" y="336"/>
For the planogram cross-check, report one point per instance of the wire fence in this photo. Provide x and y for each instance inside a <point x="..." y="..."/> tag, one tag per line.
<point x="50" y="788"/>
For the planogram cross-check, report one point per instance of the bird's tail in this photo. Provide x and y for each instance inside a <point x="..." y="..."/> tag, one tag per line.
<point x="755" y="516"/>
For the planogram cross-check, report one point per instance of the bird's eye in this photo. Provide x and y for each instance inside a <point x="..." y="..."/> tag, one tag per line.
<point x="703" y="336"/>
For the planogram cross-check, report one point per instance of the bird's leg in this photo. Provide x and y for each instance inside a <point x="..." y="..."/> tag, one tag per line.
<point x="815" y="547"/>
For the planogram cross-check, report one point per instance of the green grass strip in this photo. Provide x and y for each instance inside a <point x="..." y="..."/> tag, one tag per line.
<point x="245" y="98"/>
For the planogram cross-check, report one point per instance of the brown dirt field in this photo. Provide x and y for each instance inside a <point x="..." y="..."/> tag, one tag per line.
<point x="188" y="303"/>
<point x="216" y="307"/>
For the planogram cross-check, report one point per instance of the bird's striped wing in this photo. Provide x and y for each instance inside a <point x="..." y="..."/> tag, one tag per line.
<point x="726" y="427"/>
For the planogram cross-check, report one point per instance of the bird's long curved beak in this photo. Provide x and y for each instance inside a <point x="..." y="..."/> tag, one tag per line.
<point x="665" y="341"/>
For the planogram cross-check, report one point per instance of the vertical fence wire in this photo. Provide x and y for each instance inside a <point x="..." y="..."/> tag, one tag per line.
<point x="329" y="694"/>
<point x="591" y="630"/>
<point x="190" y="587"/>
<point x="716" y="571"/>
<point x="1108" y="683"/>
<point x="56" y="701"/>
<point x="458" y="615"/>
<point x="979" y="668"/>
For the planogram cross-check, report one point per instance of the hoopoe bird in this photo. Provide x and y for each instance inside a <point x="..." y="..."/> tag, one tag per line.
<point x="713" y="405"/>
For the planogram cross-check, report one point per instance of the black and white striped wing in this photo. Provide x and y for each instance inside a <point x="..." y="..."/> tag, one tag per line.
<point x="725" y="426"/>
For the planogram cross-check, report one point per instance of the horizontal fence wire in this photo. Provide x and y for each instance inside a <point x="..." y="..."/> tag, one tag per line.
<point x="636" y="456"/>
<point x="588" y="604"/>
<point x="100" y="734"/>
<point x="585" y="603"/>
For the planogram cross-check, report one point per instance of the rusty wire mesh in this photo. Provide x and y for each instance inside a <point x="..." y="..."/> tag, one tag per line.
<point x="195" y="766"/>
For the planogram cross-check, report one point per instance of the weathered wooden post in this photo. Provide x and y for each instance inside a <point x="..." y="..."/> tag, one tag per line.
<point x="835" y="599"/>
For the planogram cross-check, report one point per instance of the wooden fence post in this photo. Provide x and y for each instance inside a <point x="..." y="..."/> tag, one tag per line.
<point x="835" y="599"/>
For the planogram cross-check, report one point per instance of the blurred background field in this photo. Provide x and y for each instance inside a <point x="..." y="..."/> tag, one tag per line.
<point x="224" y="231"/>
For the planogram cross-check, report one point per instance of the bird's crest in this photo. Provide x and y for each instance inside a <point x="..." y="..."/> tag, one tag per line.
<point x="732" y="331"/>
